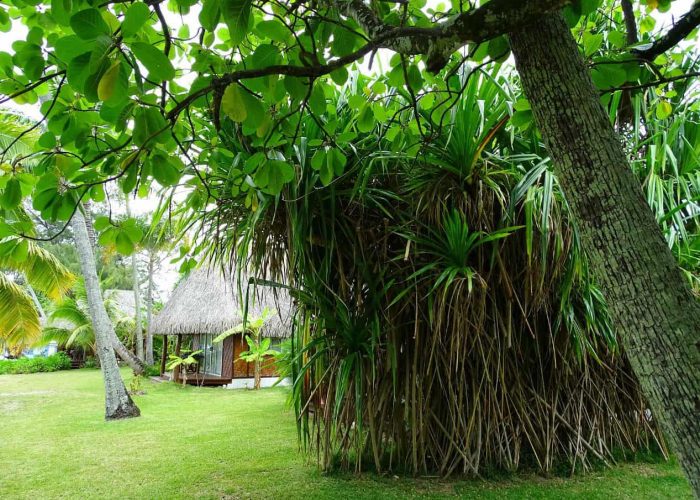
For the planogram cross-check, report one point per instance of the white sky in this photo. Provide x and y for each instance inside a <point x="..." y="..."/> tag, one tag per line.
<point x="168" y="275"/>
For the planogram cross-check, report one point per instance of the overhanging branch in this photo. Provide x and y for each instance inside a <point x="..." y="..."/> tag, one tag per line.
<point x="438" y="43"/>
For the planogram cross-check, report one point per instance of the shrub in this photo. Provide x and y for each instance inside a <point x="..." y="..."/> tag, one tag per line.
<point x="91" y="362"/>
<point x="152" y="371"/>
<point x="53" y="363"/>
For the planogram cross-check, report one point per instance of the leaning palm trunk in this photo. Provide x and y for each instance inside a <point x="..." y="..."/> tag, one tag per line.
<point x="35" y="299"/>
<point x="118" y="403"/>
<point x="653" y="308"/>
<point x="126" y="355"/>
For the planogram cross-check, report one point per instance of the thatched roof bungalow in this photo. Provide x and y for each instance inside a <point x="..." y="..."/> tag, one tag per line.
<point x="207" y="303"/>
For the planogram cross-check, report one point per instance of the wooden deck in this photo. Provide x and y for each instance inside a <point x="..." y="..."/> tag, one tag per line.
<point x="203" y="379"/>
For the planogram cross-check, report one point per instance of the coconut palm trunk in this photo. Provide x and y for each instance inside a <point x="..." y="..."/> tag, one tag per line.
<point x="35" y="299"/>
<point x="136" y="364"/>
<point x="655" y="314"/>
<point x="149" y="308"/>
<point x="126" y="355"/>
<point x="118" y="403"/>
<point x="138" y="325"/>
<point x="92" y="237"/>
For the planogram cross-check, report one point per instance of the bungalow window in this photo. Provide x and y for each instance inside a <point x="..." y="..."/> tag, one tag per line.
<point x="212" y="355"/>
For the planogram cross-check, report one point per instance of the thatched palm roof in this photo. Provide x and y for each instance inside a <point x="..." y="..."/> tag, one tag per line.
<point x="124" y="301"/>
<point x="207" y="301"/>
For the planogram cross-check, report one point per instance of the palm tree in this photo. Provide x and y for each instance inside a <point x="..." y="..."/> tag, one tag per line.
<point x="21" y="254"/>
<point x="19" y="145"/>
<point x="20" y="312"/>
<point x="138" y="324"/>
<point x="154" y="242"/>
<point x="70" y="325"/>
<point x="118" y="402"/>
<point x="19" y="315"/>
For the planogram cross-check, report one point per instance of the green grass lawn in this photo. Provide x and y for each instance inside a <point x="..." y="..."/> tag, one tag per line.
<point x="214" y="443"/>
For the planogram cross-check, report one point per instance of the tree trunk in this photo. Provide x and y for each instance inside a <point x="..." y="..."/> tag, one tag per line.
<point x="257" y="374"/>
<point x="126" y="355"/>
<point x="654" y="311"/>
<point x="118" y="403"/>
<point x="138" y="326"/>
<point x="35" y="299"/>
<point x="149" y="308"/>
<point x="92" y="237"/>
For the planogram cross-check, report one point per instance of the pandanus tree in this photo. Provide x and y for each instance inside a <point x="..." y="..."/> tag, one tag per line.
<point x="272" y="65"/>
<point x="446" y="313"/>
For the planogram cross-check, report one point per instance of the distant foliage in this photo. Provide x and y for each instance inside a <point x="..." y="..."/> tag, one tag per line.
<point x="53" y="363"/>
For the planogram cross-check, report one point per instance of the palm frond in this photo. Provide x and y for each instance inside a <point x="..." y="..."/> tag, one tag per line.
<point x="19" y="319"/>
<point x="42" y="269"/>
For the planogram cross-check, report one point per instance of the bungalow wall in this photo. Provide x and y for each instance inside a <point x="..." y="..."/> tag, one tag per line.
<point x="232" y="366"/>
<point x="241" y="369"/>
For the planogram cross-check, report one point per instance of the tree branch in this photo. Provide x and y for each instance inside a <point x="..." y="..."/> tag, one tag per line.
<point x="678" y="32"/>
<point x="497" y="17"/>
<point x="654" y="83"/>
<point x="220" y="83"/>
<point x="630" y="22"/>
<point x="438" y="43"/>
<point x="32" y="86"/>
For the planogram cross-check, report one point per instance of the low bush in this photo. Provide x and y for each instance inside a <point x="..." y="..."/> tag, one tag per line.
<point x="53" y="363"/>
<point x="152" y="371"/>
<point x="91" y="362"/>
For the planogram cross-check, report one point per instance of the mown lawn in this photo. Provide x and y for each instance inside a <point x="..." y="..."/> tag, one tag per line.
<point x="213" y="443"/>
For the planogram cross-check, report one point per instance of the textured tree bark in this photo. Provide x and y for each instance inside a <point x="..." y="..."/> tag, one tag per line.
<point x="124" y="354"/>
<point x="118" y="403"/>
<point x="149" y="308"/>
<point x="655" y="314"/>
<point x="87" y="210"/>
